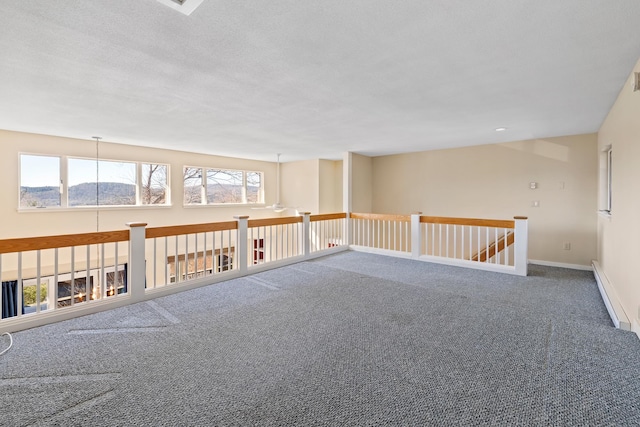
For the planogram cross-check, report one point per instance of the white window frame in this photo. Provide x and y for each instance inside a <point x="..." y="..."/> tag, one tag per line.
<point x="50" y="291"/>
<point x="93" y="159"/>
<point x="64" y="183"/>
<point x="181" y="271"/>
<point x="167" y="185"/>
<point x="61" y="169"/>
<point x="204" y="184"/>
<point x="605" y="178"/>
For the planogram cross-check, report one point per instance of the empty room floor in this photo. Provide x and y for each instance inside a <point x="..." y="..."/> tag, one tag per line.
<point x="348" y="339"/>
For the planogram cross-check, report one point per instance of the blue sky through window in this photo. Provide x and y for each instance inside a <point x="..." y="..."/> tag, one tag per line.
<point x="44" y="171"/>
<point x="39" y="171"/>
<point x="84" y="170"/>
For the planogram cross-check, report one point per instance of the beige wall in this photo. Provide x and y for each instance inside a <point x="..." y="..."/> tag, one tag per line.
<point x="619" y="235"/>
<point x="330" y="180"/>
<point x="312" y="185"/>
<point x="492" y="181"/>
<point x="300" y="186"/>
<point x="64" y="221"/>
<point x="362" y="183"/>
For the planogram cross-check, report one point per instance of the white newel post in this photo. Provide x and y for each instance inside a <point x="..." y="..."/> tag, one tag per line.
<point x="521" y="250"/>
<point x="137" y="264"/>
<point x="241" y="242"/>
<point x="416" y="236"/>
<point x="306" y="233"/>
<point x="347" y="199"/>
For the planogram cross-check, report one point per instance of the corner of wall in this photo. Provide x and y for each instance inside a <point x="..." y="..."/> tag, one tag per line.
<point x="617" y="253"/>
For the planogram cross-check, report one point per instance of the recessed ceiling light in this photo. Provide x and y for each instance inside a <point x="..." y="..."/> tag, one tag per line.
<point x="500" y="129"/>
<point x="182" y="6"/>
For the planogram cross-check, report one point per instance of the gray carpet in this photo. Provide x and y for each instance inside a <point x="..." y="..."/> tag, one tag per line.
<point x="349" y="339"/>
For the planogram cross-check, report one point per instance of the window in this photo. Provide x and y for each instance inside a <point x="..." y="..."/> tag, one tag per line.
<point x="76" y="289"/>
<point x="606" y="163"/>
<point x="40" y="184"/>
<point x="224" y="186"/>
<point x="153" y="184"/>
<point x="200" y="265"/>
<point x="193" y="186"/>
<point x="609" y="162"/>
<point x="60" y="181"/>
<point x="80" y="289"/>
<point x="208" y="186"/>
<point x="254" y="187"/>
<point x="30" y="294"/>
<point x="101" y="183"/>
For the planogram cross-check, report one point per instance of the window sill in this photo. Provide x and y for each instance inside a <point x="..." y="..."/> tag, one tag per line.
<point x="226" y="205"/>
<point x="92" y="208"/>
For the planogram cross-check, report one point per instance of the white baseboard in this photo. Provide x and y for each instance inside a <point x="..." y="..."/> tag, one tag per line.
<point x="376" y="251"/>
<point x="561" y="264"/>
<point x="610" y="299"/>
<point x="440" y="260"/>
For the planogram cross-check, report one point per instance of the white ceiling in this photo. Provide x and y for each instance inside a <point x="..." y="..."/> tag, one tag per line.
<point x="312" y="79"/>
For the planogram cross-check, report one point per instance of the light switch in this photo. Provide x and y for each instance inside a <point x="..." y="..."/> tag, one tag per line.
<point x="535" y="204"/>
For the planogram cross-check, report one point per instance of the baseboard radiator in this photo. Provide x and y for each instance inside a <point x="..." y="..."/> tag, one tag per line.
<point x="616" y="312"/>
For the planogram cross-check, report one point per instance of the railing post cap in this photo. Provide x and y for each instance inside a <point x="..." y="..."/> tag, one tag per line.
<point x="241" y="216"/>
<point x="136" y="224"/>
<point x="520" y="217"/>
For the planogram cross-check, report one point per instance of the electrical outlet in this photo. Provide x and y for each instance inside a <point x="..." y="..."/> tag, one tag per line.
<point x="567" y="246"/>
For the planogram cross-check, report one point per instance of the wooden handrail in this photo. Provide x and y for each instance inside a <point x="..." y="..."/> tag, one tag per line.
<point x="68" y="240"/>
<point x="497" y="223"/>
<point x="325" y="217"/>
<point x="491" y="251"/>
<point x="177" y="230"/>
<point x="61" y="241"/>
<point x="382" y="217"/>
<point x="274" y="221"/>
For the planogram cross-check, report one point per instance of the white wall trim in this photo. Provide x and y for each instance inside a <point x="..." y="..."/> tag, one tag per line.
<point x="439" y="260"/>
<point x="377" y="251"/>
<point x="561" y="265"/>
<point x="610" y="299"/>
<point x="474" y="265"/>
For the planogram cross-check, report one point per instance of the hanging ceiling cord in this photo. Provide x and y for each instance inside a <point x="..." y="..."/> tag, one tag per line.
<point x="10" y="343"/>
<point x="97" y="138"/>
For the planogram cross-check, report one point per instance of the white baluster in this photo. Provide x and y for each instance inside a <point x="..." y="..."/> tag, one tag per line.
<point x="38" y="259"/>
<point x="73" y="273"/>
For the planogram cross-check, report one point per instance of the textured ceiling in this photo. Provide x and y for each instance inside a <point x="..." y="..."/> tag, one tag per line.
<point x="314" y="78"/>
